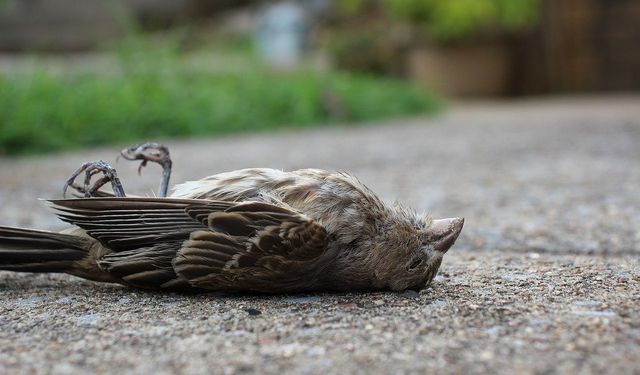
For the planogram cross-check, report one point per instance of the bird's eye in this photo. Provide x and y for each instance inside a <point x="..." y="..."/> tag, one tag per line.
<point x="414" y="264"/>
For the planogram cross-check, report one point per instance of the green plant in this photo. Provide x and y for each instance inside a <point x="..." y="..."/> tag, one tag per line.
<point x="367" y="50"/>
<point x="453" y="19"/>
<point x="156" y="91"/>
<point x="42" y="112"/>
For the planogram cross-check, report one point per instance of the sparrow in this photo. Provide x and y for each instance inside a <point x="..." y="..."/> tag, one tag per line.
<point x="251" y="230"/>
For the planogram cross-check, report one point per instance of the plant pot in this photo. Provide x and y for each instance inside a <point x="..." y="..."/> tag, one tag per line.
<point x="464" y="69"/>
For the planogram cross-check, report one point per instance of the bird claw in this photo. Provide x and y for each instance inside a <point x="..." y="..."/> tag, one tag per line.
<point x="91" y="169"/>
<point x="154" y="152"/>
<point x="150" y="151"/>
<point x="142" y="165"/>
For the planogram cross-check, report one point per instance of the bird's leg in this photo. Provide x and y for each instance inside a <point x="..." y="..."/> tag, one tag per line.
<point x="155" y="152"/>
<point x="90" y="169"/>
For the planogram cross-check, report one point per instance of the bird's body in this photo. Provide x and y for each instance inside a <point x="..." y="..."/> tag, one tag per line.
<point x="259" y="230"/>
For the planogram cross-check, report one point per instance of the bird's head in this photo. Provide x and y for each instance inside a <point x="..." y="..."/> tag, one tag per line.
<point x="411" y="247"/>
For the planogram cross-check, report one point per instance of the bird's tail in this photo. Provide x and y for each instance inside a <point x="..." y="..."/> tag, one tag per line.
<point x="29" y="250"/>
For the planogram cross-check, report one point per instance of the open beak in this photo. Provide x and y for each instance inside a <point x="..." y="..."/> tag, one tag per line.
<point x="444" y="232"/>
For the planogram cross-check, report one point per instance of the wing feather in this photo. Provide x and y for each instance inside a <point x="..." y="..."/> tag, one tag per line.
<point x="197" y="243"/>
<point x="128" y="223"/>
<point x="252" y="247"/>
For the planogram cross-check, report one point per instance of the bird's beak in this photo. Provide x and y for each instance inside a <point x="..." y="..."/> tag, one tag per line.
<point x="444" y="232"/>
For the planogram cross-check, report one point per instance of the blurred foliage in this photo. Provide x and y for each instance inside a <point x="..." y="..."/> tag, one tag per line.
<point x="363" y="49"/>
<point x="4" y="4"/>
<point x="154" y="94"/>
<point x="452" y="19"/>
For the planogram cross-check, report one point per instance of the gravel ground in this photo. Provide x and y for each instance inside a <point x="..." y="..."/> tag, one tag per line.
<point x="544" y="279"/>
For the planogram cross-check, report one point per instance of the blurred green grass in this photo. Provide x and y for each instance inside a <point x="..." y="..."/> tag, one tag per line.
<point x="155" y="96"/>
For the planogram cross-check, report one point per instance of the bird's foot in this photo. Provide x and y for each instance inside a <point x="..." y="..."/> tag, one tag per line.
<point x="154" y="152"/>
<point x="91" y="169"/>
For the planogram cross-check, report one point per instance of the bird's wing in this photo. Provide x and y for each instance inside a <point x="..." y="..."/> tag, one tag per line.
<point x="253" y="247"/>
<point x="147" y="267"/>
<point x="129" y="223"/>
<point x="177" y="243"/>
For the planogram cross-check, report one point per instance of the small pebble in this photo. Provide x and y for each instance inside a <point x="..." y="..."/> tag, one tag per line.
<point x="253" y="312"/>
<point x="410" y="294"/>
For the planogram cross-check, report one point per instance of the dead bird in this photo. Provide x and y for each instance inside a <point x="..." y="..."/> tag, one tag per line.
<point x="251" y="230"/>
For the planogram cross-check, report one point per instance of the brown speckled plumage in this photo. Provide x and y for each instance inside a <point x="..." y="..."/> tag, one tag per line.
<point x="259" y="230"/>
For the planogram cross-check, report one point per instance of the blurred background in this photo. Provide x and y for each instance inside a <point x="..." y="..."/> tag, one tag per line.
<point x="523" y="116"/>
<point x="80" y="73"/>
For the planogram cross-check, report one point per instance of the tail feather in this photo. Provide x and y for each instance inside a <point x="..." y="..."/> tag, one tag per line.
<point x="30" y="250"/>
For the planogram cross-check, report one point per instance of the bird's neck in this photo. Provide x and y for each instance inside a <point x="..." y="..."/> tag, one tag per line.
<point x="350" y="269"/>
